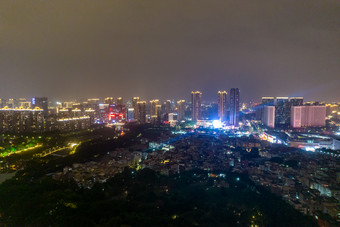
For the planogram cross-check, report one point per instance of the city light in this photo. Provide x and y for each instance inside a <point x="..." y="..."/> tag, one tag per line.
<point x="203" y="113"/>
<point x="217" y="124"/>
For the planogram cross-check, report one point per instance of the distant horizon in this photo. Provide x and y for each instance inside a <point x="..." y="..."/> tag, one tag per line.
<point x="82" y="99"/>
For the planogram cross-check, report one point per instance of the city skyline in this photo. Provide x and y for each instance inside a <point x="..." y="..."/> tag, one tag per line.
<point x="144" y="50"/>
<point x="170" y="113"/>
<point x="205" y="98"/>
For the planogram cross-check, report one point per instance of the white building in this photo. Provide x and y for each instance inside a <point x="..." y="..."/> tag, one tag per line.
<point x="308" y="116"/>
<point x="269" y="116"/>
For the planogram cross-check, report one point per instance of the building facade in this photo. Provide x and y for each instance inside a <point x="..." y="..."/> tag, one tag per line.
<point x="181" y="110"/>
<point x="269" y="116"/>
<point x="222" y="105"/>
<point x="308" y="116"/>
<point x="234" y="106"/>
<point x="141" y="112"/>
<point x="196" y="100"/>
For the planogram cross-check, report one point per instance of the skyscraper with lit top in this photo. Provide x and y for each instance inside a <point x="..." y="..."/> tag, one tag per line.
<point x="222" y="105"/>
<point x="181" y="110"/>
<point x="234" y="106"/>
<point x="109" y="100"/>
<point x="153" y="107"/>
<point x="119" y="101"/>
<point x="282" y="111"/>
<point x="141" y="111"/>
<point x="42" y="103"/>
<point x="134" y="106"/>
<point x="196" y="100"/>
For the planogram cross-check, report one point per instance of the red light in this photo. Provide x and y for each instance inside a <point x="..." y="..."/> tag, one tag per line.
<point x="121" y="115"/>
<point x="111" y="116"/>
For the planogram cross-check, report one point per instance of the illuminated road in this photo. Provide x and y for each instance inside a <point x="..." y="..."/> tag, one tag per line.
<point x="71" y="146"/>
<point x="17" y="152"/>
<point x="51" y="152"/>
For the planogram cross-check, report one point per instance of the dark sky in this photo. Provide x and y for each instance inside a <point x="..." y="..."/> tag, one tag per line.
<point x="164" y="49"/>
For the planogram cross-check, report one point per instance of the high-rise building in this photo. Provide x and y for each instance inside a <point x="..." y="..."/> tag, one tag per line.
<point x="168" y="106"/>
<point x="153" y="105"/>
<point x="296" y="116"/>
<point x="269" y="116"/>
<point x="266" y="101"/>
<point x="308" y="116"/>
<point x="25" y="105"/>
<point x="331" y="109"/>
<point x="141" y="111"/>
<point x="134" y="106"/>
<point x="130" y="114"/>
<point x="196" y="100"/>
<point x="12" y="103"/>
<point x="296" y="101"/>
<point x="284" y="107"/>
<point x="222" y="105"/>
<point x="282" y="111"/>
<point x="21" y="100"/>
<point x="234" y="106"/>
<point x="181" y="110"/>
<point x="93" y="101"/>
<point x="171" y="117"/>
<point x="68" y="105"/>
<point x="109" y="100"/>
<point x="120" y="101"/>
<point x="42" y="103"/>
<point x="20" y="120"/>
<point x="156" y="118"/>
<point x="158" y="112"/>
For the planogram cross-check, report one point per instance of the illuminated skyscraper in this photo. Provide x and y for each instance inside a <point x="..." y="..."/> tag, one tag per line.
<point x="119" y="101"/>
<point x="2" y="103"/>
<point x="268" y="101"/>
<point x="156" y="118"/>
<point x="21" y="120"/>
<point x="153" y="105"/>
<point x="234" y="106"/>
<point x="222" y="105"/>
<point x="293" y="101"/>
<point x="93" y="101"/>
<point x="134" y="106"/>
<point x="282" y="111"/>
<point x="181" y="110"/>
<point x="332" y="110"/>
<point x="141" y="111"/>
<point x="42" y="103"/>
<point x="12" y="103"/>
<point x="109" y="100"/>
<point x="196" y="100"/>
<point x="296" y="114"/>
<point x="296" y="101"/>
<point x="130" y="114"/>
<point x="25" y="105"/>
<point x="168" y="106"/>
<point x="158" y="112"/>
<point x="269" y="116"/>
<point x="308" y="116"/>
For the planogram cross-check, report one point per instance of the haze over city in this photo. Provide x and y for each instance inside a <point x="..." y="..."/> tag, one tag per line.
<point x="165" y="49"/>
<point x="170" y="113"/>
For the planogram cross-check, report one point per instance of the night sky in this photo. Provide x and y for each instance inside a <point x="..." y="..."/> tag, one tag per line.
<point x="165" y="49"/>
